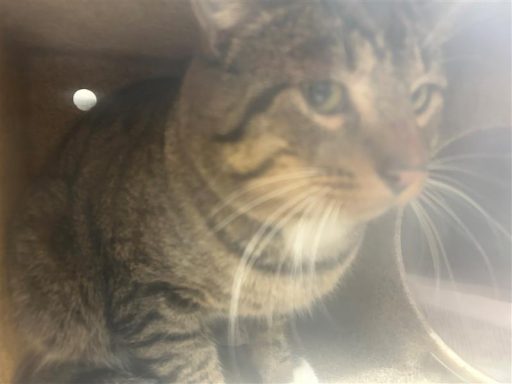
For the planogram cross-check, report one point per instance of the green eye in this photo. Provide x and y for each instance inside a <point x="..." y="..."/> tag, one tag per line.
<point x="422" y="97"/>
<point x="326" y="97"/>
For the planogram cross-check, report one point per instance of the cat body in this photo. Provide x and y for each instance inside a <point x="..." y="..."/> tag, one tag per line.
<point x="241" y="192"/>
<point x="111" y="264"/>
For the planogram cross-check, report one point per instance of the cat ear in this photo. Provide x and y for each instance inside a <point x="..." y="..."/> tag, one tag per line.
<point x="444" y="17"/>
<point x="218" y="17"/>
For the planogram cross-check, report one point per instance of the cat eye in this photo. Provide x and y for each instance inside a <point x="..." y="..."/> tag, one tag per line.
<point x="422" y="97"/>
<point x="326" y="97"/>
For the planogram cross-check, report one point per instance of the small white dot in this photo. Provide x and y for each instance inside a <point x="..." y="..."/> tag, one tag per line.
<point x="84" y="99"/>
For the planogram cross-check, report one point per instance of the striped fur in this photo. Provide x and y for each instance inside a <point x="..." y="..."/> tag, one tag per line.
<point x="174" y="206"/>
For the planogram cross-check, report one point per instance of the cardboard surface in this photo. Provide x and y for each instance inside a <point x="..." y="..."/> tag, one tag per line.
<point x="156" y="28"/>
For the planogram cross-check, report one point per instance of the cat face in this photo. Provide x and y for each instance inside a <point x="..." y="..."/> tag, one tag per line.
<point x="320" y="105"/>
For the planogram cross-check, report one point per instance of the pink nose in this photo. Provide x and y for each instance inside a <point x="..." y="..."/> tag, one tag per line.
<point x="400" y="180"/>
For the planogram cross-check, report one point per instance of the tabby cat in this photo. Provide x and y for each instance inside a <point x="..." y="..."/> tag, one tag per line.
<point x="239" y="193"/>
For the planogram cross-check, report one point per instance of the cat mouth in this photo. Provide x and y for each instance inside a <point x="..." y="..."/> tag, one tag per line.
<point x="398" y="191"/>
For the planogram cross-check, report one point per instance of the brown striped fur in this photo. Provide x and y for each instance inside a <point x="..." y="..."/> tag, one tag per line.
<point x="174" y="206"/>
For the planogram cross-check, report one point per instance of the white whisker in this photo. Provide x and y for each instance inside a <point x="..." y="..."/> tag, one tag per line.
<point x="281" y="224"/>
<point x="289" y="209"/>
<point x="447" y="264"/>
<point x="433" y="230"/>
<point x="456" y="138"/>
<point x="437" y="168"/>
<point x="476" y="156"/>
<point x="429" y="195"/>
<point x="470" y="202"/>
<point x="260" y="200"/>
<point x="445" y="178"/>
<point x="269" y="181"/>
<point x="331" y="210"/>
<point x="298" y="253"/>
<point x="432" y="246"/>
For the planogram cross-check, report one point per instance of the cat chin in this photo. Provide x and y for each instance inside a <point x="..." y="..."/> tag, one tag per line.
<point x="320" y="238"/>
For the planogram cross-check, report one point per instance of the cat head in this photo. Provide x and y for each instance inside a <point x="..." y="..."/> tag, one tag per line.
<point x="335" y="103"/>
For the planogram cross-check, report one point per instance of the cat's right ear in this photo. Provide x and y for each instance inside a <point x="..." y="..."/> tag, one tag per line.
<point x="218" y="18"/>
<point x="441" y="19"/>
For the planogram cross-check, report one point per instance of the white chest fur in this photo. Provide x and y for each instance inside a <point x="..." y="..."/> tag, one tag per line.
<point x="313" y="239"/>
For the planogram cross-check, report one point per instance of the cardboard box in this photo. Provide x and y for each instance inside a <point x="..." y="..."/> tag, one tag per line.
<point x="51" y="48"/>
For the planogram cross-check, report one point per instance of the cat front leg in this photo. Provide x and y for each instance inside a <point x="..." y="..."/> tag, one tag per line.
<point x="163" y="336"/>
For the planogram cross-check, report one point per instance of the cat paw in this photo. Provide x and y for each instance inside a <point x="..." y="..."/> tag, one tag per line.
<point x="304" y="374"/>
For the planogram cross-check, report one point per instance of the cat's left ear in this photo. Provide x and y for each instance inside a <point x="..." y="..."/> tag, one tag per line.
<point x="444" y="17"/>
<point x="219" y="18"/>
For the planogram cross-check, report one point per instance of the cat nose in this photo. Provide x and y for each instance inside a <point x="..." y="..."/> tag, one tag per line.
<point x="402" y="180"/>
